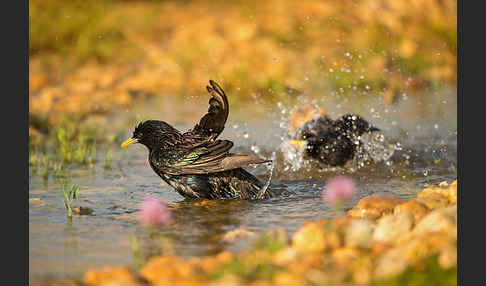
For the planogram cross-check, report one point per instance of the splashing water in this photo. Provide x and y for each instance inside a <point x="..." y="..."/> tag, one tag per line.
<point x="377" y="146"/>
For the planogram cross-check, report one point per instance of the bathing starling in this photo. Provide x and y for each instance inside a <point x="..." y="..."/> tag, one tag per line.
<point x="332" y="142"/>
<point x="197" y="164"/>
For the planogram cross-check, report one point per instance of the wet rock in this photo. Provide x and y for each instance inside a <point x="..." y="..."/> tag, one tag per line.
<point x="111" y="276"/>
<point x="391" y="228"/>
<point x="417" y="209"/>
<point x="433" y="200"/>
<point x="234" y="234"/>
<point x="359" y="233"/>
<point x="375" y="206"/>
<point x="448" y="191"/>
<point x="442" y="220"/>
<point x="83" y="211"/>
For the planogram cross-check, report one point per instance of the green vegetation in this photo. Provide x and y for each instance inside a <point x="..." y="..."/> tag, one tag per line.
<point x="430" y="274"/>
<point x="69" y="195"/>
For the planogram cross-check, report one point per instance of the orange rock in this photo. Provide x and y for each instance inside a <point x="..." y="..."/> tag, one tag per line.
<point x="288" y="279"/>
<point x="119" y="276"/>
<point x="379" y="249"/>
<point x="448" y="191"/>
<point x="344" y="255"/>
<point x="433" y="200"/>
<point x="375" y="206"/>
<point x="417" y="209"/>
<point x="310" y="238"/>
<point x="166" y="269"/>
<point x="285" y="256"/>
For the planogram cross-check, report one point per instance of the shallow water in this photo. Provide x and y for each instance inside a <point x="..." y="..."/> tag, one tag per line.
<point x="424" y="127"/>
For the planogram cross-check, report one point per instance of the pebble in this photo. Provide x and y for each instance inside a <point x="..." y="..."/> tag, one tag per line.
<point x="359" y="233"/>
<point x="442" y="220"/>
<point x="391" y="228"/>
<point x="375" y="206"/>
<point x="417" y="209"/>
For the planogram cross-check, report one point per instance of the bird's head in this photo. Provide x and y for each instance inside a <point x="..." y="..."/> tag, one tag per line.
<point x="153" y="134"/>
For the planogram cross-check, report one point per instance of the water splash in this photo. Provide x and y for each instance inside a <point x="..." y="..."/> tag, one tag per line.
<point x="377" y="146"/>
<point x="261" y="193"/>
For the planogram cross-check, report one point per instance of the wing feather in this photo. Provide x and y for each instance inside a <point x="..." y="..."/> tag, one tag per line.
<point x="211" y="158"/>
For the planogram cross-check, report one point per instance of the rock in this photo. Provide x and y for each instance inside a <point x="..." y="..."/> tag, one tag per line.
<point x="417" y="209"/>
<point x="375" y="206"/>
<point x="359" y="233"/>
<point x="391" y="228"/>
<point x="111" y="276"/>
<point x="309" y="238"/>
<point x="83" y="211"/>
<point x="390" y="264"/>
<point x="379" y="248"/>
<point x="234" y="234"/>
<point x="344" y="255"/>
<point x="442" y="220"/>
<point x="285" y="256"/>
<point x="433" y="200"/>
<point x="448" y="191"/>
<point x="210" y="263"/>
<point x="314" y="238"/>
<point x="167" y="270"/>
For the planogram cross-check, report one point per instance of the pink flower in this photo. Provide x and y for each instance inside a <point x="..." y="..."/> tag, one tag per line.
<point x="153" y="212"/>
<point x="338" y="190"/>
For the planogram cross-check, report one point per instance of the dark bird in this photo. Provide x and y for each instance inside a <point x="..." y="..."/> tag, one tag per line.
<point x="332" y="142"/>
<point x="195" y="163"/>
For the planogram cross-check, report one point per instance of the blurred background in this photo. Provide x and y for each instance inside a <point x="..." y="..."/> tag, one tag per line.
<point x="95" y="57"/>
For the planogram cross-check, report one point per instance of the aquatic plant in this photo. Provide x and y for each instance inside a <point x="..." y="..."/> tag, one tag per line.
<point x="108" y="162"/>
<point x="153" y="212"/>
<point x="338" y="190"/>
<point x="70" y="195"/>
<point x="45" y="161"/>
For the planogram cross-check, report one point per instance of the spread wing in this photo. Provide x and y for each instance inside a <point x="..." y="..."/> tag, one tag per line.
<point x="212" y="123"/>
<point x="211" y="157"/>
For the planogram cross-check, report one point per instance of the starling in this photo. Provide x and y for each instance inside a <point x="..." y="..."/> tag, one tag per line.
<point x="332" y="142"/>
<point x="195" y="163"/>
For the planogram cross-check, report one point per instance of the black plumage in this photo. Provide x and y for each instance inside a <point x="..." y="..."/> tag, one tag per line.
<point x="195" y="163"/>
<point x="333" y="142"/>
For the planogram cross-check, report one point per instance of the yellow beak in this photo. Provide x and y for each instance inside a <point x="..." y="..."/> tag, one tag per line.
<point x="129" y="141"/>
<point x="298" y="143"/>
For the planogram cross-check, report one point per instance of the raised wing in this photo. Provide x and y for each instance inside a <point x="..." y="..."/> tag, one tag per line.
<point x="212" y="157"/>
<point x="212" y="123"/>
